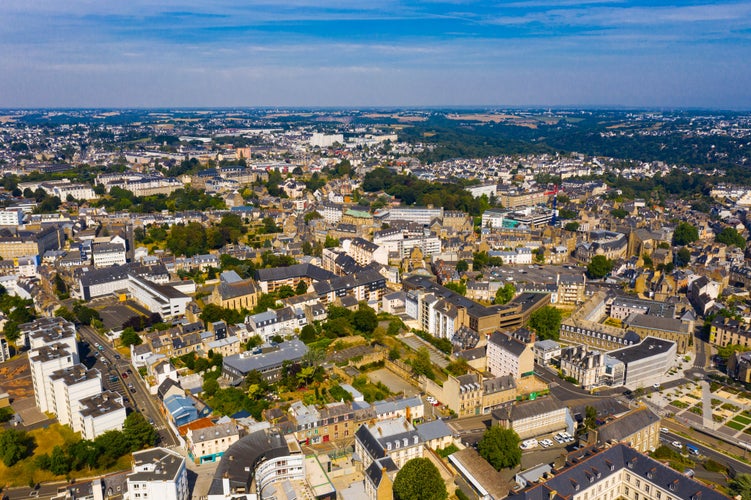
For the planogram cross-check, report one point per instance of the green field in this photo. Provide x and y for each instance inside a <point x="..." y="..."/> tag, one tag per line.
<point x="742" y="419"/>
<point x="735" y="425"/>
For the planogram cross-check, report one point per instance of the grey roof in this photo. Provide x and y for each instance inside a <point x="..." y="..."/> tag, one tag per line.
<point x="375" y="470"/>
<point x="507" y="343"/>
<point x="528" y="409"/>
<point x="655" y="323"/>
<point x="591" y="467"/>
<point x="650" y="346"/>
<point x="75" y="374"/>
<point x="434" y="429"/>
<point x="214" y="432"/>
<point x="240" y="460"/>
<point x="291" y="350"/>
<point x="100" y="404"/>
<point x="621" y="428"/>
<point x="167" y="465"/>
<point x="295" y="271"/>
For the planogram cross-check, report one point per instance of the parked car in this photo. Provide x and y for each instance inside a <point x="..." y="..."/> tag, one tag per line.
<point x="677" y="444"/>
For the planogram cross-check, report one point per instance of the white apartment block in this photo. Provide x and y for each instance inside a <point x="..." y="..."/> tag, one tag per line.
<point x="45" y="331"/>
<point x="43" y="362"/>
<point x="76" y="191"/>
<point x="11" y="217"/>
<point x="108" y="254"/>
<point x="365" y="252"/>
<point x="158" y="474"/>
<point x="165" y="300"/>
<point x="68" y="387"/>
<point x="100" y="413"/>
<point x="420" y="215"/>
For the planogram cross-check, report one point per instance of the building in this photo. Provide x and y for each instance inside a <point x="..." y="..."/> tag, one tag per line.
<point x="12" y="217"/>
<point x="646" y="363"/>
<point x="256" y="462"/>
<point x="108" y="254"/>
<point x="157" y="473"/>
<point x="164" y="300"/>
<point x="585" y="365"/>
<point x="395" y="438"/>
<point x="639" y="428"/>
<point x="379" y="479"/>
<point x="497" y="392"/>
<point x="535" y="418"/>
<point x="546" y="351"/>
<point x="44" y="361"/>
<point x="614" y="473"/>
<point x="68" y="386"/>
<point x="233" y="292"/>
<point x="208" y="444"/>
<point x="511" y="353"/>
<point x="4" y="350"/>
<point x="268" y="363"/>
<point x="673" y="330"/>
<point x="464" y="394"/>
<point x="100" y="413"/>
<point x="418" y="215"/>
<point x="365" y="252"/>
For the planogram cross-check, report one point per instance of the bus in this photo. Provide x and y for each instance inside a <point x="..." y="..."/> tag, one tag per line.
<point x="693" y="450"/>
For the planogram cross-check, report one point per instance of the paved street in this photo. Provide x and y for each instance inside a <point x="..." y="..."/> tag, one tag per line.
<point x="141" y="400"/>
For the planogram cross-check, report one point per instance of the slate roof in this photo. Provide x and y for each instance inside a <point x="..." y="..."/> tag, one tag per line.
<point x="592" y="468"/>
<point x="295" y="271"/>
<point x="619" y="429"/>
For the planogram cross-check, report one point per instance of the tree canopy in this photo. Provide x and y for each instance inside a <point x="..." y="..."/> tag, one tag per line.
<point x="599" y="267"/>
<point x="684" y="234"/>
<point x="500" y="447"/>
<point x="14" y="446"/>
<point x="419" y="479"/>
<point x="505" y="293"/>
<point x="546" y="322"/>
<point x="731" y="236"/>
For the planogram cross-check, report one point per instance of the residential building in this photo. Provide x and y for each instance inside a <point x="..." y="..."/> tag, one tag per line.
<point x="268" y="362"/>
<point x="639" y="428"/>
<point x="108" y="254"/>
<point x="208" y="444"/>
<point x="395" y="438"/>
<point x="100" y="413"/>
<point x="546" y="351"/>
<point x="44" y="361"/>
<point x="157" y="473"/>
<point x="365" y="252"/>
<point x="585" y="365"/>
<point x="511" y="353"/>
<point x="68" y="386"/>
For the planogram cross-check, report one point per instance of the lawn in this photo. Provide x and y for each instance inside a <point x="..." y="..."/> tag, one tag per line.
<point x="742" y="419"/>
<point x="25" y="472"/>
<point x="735" y="425"/>
<point x="679" y="404"/>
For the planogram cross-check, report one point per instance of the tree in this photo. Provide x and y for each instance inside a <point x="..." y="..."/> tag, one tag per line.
<point x="500" y="447"/>
<point x="505" y="293"/>
<point x="14" y="446"/>
<point x="422" y="364"/>
<point x="546" y="322"/>
<point x="590" y="417"/>
<point x="599" y="267"/>
<point x="730" y="236"/>
<point x="129" y="337"/>
<point x="684" y="234"/>
<point x="457" y="287"/>
<point x="308" y="334"/>
<point x="85" y="314"/>
<point x="741" y="485"/>
<point x="138" y="432"/>
<point x="618" y="213"/>
<point x="419" y="479"/>
<point x="65" y="313"/>
<point x="571" y="226"/>
<point x="683" y="257"/>
<point x="365" y="320"/>
<point x="540" y="255"/>
<point x="301" y="288"/>
<point x="59" y="463"/>
<point x="462" y="266"/>
<point x="285" y="291"/>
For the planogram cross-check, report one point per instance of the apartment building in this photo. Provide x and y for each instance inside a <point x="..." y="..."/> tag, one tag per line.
<point x="158" y="473"/>
<point x="100" y="413"/>
<point x="208" y="444"/>
<point x="535" y="418"/>
<point x="395" y="438"/>
<point x="511" y="353"/>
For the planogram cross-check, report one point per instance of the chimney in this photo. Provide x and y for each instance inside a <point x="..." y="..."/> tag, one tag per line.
<point x="225" y="484"/>
<point x="552" y="495"/>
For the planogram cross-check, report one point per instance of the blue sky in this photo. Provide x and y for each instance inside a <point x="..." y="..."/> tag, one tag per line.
<point x="112" y="53"/>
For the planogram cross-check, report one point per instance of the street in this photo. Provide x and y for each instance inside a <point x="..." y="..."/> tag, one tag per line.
<point x="140" y="400"/>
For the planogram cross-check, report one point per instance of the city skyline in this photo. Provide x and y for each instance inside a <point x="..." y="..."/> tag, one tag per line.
<point x="362" y="54"/>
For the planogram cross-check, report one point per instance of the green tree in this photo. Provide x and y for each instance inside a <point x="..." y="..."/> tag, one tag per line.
<point x="599" y="267"/>
<point x="364" y="319"/>
<point x="113" y="445"/>
<point x="138" y="431"/>
<point x="301" y="288"/>
<point x="59" y="464"/>
<point x="730" y="236"/>
<point x="571" y="226"/>
<point x="505" y="293"/>
<point x="285" y="291"/>
<point x="308" y="334"/>
<point x="683" y="257"/>
<point x="618" y="213"/>
<point x="540" y="255"/>
<point x="457" y="287"/>
<point x="546" y="322"/>
<point x="129" y="337"/>
<point x="741" y="485"/>
<point x="590" y="417"/>
<point x="458" y="367"/>
<point x="422" y="364"/>
<point x="312" y="216"/>
<point x="15" y="445"/>
<point x="419" y="479"/>
<point x="684" y="234"/>
<point x="85" y="314"/>
<point x="331" y="242"/>
<point x="500" y="447"/>
<point x="462" y="266"/>
<point x="65" y="313"/>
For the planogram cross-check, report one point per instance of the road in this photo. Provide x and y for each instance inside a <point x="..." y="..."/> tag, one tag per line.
<point x="141" y="399"/>
<point x="669" y="437"/>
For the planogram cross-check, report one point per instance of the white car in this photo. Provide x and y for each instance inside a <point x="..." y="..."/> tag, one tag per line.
<point x="664" y="430"/>
<point x="677" y="444"/>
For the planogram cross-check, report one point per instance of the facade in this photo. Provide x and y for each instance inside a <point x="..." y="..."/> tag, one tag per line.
<point x="646" y="363"/>
<point x="511" y="353"/>
<point x="158" y="473"/>
<point x="614" y="473"/>
<point x="233" y="292"/>
<point x="395" y="438"/>
<point x="100" y="413"/>
<point x="11" y="217"/>
<point x="164" y="300"/>
<point x="68" y="387"/>
<point x="208" y="444"/>
<point x="535" y="418"/>
<point x="639" y="428"/>
<point x="108" y="254"/>
<point x="365" y="252"/>
<point x="464" y="394"/>
<point x="44" y="361"/>
<point x="546" y="350"/>
<point x="268" y="363"/>
<point x="670" y="329"/>
<point x="585" y="365"/>
<point x="4" y="350"/>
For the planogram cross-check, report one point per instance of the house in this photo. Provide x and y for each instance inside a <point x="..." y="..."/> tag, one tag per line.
<point x="180" y="408"/>
<point x="158" y="473"/>
<point x="395" y="438"/>
<point x="208" y="444"/>
<point x="379" y="479"/>
<point x="639" y="428"/>
<point x="535" y="418"/>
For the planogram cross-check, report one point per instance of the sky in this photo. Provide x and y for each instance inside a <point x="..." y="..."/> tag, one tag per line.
<point x="353" y="53"/>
